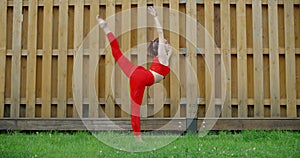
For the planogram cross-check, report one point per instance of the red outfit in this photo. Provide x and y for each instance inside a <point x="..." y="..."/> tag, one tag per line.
<point x="139" y="79"/>
<point x="159" y="68"/>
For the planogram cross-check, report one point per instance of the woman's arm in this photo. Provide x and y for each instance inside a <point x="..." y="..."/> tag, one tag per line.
<point x="163" y="54"/>
<point x="153" y="12"/>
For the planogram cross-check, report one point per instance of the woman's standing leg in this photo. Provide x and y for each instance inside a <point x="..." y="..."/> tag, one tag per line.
<point x="137" y="88"/>
<point x="139" y="79"/>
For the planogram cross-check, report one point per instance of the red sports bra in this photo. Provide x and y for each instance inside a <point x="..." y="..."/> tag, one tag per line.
<point x="156" y="66"/>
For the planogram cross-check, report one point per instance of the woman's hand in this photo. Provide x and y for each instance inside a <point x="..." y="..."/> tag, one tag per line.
<point x="152" y="11"/>
<point x="101" y="22"/>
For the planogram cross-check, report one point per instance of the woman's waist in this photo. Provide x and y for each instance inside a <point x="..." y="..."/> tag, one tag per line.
<point x="157" y="77"/>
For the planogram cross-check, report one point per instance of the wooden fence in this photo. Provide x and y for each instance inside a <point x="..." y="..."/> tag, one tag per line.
<point x="247" y="77"/>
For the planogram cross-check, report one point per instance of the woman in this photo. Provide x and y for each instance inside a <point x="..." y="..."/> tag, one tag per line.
<point x="138" y="75"/>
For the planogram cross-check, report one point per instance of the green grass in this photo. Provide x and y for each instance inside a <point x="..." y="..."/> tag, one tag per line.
<point x="83" y="144"/>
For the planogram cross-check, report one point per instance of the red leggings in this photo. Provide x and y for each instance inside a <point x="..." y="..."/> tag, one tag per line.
<point x="139" y="79"/>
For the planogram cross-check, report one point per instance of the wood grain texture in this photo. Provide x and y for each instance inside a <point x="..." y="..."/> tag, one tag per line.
<point x="110" y="63"/>
<point x="62" y="59"/>
<point x="209" y="59"/>
<point x="274" y="58"/>
<point x="255" y="42"/>
<point x="78" y="59"/>
<point x="175" y="64"/>
<point x="258" y="59"/>
<point x="226" y="58"/>
<point x="241" y="58"/>
<point x="126" y="44"/>
<point x="289" y="34"/>
<point x="16" y="59"/>
<point x="31" y="59"/>
<point x="47" y="59"/>
<point x="94" y="42"/>
<point x="3" y="30"/>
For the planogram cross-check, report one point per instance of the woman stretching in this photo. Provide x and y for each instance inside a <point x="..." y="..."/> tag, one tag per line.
<point x="138" y="75"/>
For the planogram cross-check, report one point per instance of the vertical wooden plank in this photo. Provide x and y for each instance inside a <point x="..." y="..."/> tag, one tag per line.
<point x="226" y="58"/>
<point x="142" y="44"/>
<point x="47" y="58"/>
<point x="31" y="59"/>
<point x="209" y="59"/>
<point x="158" y="87"/>
<point x="16" y="59"/>
<point x="242" y="58"/>
<point x="274" y="58"/>
<point x="3" y="26"/>
<point x="258" y="59"/>
<point x="78" y="63"/>
<point x="62" y="59"/>
<point x="191" y="60"/>
<point x="109" y="63"/>
<point x="94" y="60"/>
<point x="126" y="43"/>
<point x="174" y="75"/>
<point x="290" y="58"/>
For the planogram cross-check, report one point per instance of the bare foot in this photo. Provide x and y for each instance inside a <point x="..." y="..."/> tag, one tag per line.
<point x="101" y="22"/>
<point x="138" y="138"/>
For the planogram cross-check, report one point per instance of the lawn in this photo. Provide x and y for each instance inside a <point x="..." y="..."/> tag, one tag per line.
<point x="114" y="144"/>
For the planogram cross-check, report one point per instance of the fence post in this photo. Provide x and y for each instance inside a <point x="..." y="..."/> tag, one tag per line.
<point x="274" y="59"/>
<point x="290" y="58"/>
<point x="109" y="64"/>
<point x="78" y="38"/>
<point x="126" y="44"/>
<point x="3" y="26"/>
<point x="16" y="59"/>
<point x="191" y="66"/>
<point x="31" y="59"/>
<point x="62" y="59"/>
<point x="258" y="59"/>
<point x="242" y="58"/>
<point x="93" y="60"/>
<point x="226" y="58"/>
<point x="175" y="74"/>
<point x="209" y="59"/>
